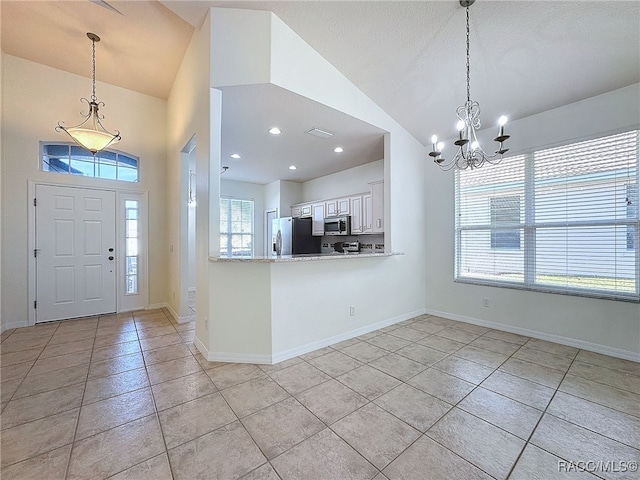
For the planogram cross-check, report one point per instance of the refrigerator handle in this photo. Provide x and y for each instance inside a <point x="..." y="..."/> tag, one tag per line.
<point x="279" y="243"/>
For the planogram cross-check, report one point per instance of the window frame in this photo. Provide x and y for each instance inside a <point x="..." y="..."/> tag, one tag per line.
<point x="229" y="232"/>
<point x="531" y="226"/>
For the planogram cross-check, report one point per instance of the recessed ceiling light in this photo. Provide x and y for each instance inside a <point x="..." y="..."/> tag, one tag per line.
<point x="338" y="150"/>
<point x="275" y="131"/>
<point x="235" y="155"/>
<point x="292" y="167"/>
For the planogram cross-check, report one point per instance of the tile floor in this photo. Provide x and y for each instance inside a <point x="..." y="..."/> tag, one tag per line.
<point x="129" y="397"/>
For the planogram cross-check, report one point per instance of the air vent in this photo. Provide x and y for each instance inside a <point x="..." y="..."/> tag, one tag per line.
<point x="318" y="132"/>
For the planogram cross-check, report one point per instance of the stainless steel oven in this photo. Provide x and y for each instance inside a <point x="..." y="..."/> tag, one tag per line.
<point x="340" y="225"/>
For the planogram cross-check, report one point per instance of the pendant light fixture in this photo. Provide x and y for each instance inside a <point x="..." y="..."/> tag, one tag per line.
<point x="91" y="134"/>
<point x="470" y="153"/>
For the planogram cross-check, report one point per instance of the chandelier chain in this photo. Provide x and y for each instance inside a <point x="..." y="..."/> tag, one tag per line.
<point x="93" y="71"/>
<point x="468" y="69"/>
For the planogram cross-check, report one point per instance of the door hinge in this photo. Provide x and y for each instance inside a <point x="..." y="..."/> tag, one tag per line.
<point x="35" y="252"/>
<point x="35" y="304"/>
<point x="35" y="202"/>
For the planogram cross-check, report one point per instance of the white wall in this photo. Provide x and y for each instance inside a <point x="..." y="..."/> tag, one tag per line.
<point x="34" y="98"/>
<point x="602" y="325"/>
<point x="249" y="191"/>
<point x="340" y="184"/>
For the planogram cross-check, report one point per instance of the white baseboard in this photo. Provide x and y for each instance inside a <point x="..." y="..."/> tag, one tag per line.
<point x="174" y="314"/>
<point x="10" y="325"/>
<point x="231" y="357"/>
<point x="310" y="347"/>
<point x="200" y="346"/>
<point x="571" y="342"/>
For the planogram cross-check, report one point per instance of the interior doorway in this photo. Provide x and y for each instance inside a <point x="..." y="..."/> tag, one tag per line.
<point x="188" y="231"/>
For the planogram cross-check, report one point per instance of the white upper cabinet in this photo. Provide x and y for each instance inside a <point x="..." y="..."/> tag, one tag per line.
<point x="338" y="206"/>
<point x="317" y="222"/>
<point x="356" y="214"/>
<point x="377" y="207"/>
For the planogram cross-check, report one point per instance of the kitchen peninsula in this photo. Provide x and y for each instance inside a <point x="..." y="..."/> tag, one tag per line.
<point x="302" y="258"/>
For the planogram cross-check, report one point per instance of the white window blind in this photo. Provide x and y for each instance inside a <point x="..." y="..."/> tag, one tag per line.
<point x="563" y="219"/>
<point x="236" y="227"/>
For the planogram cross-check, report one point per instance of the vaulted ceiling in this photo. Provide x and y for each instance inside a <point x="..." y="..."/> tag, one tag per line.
<point x="408" y="57"/>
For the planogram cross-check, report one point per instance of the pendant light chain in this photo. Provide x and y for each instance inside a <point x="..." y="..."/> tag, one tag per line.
<point x="93" y="70"/>
<point x="468" y="69"/>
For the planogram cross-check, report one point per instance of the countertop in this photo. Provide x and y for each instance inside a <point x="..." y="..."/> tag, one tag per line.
<point x="303" y="258"/>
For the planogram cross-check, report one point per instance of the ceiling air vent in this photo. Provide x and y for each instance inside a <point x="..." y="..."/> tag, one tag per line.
<point x="318" y="132"/>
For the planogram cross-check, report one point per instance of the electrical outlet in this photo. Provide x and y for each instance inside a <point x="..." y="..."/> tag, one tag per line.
<point x="485" y="302"/>
<point x="352" y="310"/>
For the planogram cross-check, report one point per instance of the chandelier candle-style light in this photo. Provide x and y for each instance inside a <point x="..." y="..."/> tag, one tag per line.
<point x="470" y="153"/>
<point x="91" y="134"/>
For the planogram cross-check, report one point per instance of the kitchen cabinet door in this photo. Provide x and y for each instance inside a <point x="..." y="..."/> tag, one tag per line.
<point x="356" y="214"/>
<point x="296" y="211"/>
<point x="367" y="214"/>
<point x="377" y="207"/>
<point x="317" y="222"/>
<point x="331" y="208"/>
<point x="305" y="210"/>
<point x="343" y="206"/>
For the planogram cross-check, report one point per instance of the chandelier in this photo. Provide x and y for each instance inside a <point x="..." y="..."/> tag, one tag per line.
<point x="470" y="154"/>
<point x="91" y="134"/>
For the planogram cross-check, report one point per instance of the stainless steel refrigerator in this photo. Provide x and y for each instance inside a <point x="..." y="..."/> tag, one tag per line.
<point x="292" y="236"/>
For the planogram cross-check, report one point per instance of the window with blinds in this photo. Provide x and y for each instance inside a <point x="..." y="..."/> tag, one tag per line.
<point x="563" y="219"/>
<point x="236" y="227"/>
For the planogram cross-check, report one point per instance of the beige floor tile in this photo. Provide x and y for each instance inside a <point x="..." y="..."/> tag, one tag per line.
<point x="164" y="354"/>
<point x="606" y="361"/>
<point x="398" y="366"/>
<point x="536" y="464"/>
<point x="180" y="367"/>
<point x="465" y="369"/>
<point x="299" y="377"/>
<point x="115" y="365"/>
<point x="188" y="337"/>
<point x="111" y="351"/>
<point x="388" y="342"/>
<point x="376" y="434"/>
<point x="233" y="374"/>
<point x="420" y="353"/>
<point x="488" y="447"/>
<point x="181" y="390"/>
<point x="533" y="372"/>
<point x="368" y="381"/>
<point x="409" y="334"/>
<point x="156" y="468"/>
<point x="86" y="335"/>
<point x="507" y="336"/>
<point x="35" y="407"/>
<point x="335" y="363"/>
<point x="13" y="358"/>
<point x="8" y="389"/>
<point x="364" y="352"/>
<point x="427" y="328"/>
<point x="35" y="438"/>
<point x="550" y="347"/>
<point x="158" y="331"/>
<point x="265" y="472"/>
<point x="613" y="378"/>
<point x="604" y="420"/>
<point x="520" y="389"/>
<point x="253" y="395"/>
<point x="15" y="372"/>
<point x="117" y="326"/>
<point x="503" y="412"/>
<point x="330" y="401"/>
<point x="425" y="455"/>
<point x="479" y="355"/>
<point x="368" y="336"/>
<point x="50" y="466"/>
<point x="112" y="412"/>
<point x="193" y="459"/>
<point x="576" y="444"/>
<point x="457" y="335"/>
<point x="475" y="329"/>
<point x="66" y="348"/>
<point x="111" y="452"/>
<point x="441" y="385"/>
<point x="184" y="422"/>
<point x="105" y="387"/>
<point x="27" y="343"/>
<point x="351" y="341"/>
<point x="546" y="359"/>
<point x="323" y="456"/>
<point x="44" y="382"/>
<point x="280" y="365"/>
<point x="78" y="325"/>
<point x="42" y="330"/>
<point x="316" y="353"/>
<point x="46" y="365"/>
<point x="104" y="340"/>
<point x="413" y="406"/>
<point x="185" y="327"/>
<point x="161" y="341"/>
<point x="435" y="320"/>
<point x="612" y="397"/>
<point x="441" y="344"/>
<point x="281" y="426"/>
<point x="495" y="345"/>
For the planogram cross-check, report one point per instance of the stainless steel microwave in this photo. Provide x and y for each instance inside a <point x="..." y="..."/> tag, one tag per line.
<point x="340" y="225"/>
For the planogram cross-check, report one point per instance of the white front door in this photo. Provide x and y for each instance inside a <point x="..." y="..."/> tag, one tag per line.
<point x="75" y="252"/>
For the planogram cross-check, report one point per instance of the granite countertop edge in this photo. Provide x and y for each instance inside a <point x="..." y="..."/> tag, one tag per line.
<point x="302" y="258"/>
